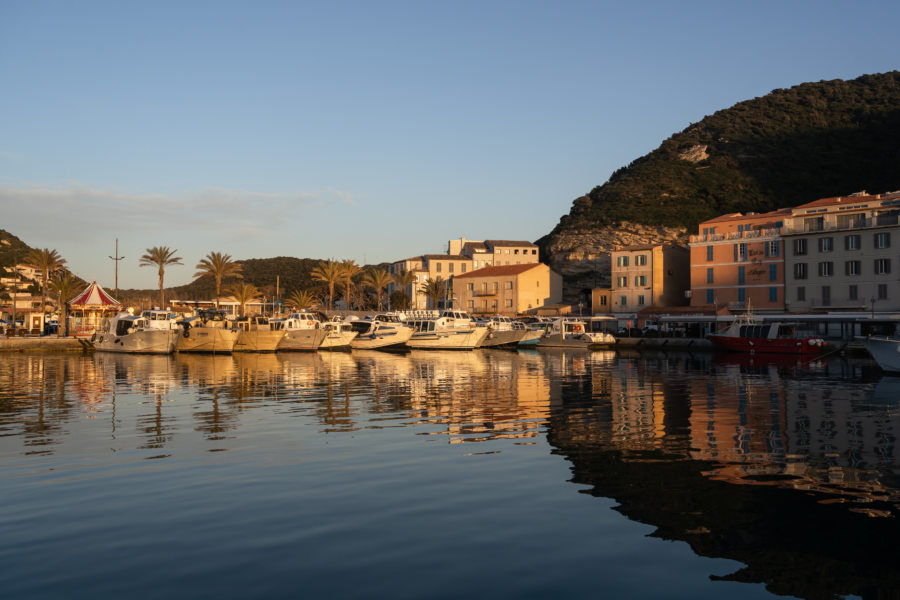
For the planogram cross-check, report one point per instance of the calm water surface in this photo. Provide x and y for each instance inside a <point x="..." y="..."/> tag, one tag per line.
<point x="446" y="475"/>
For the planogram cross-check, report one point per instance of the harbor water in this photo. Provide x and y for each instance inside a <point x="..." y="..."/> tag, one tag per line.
<point x="491" y="473"/>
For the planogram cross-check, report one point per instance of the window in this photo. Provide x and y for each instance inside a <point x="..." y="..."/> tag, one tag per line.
<point x="484" y="286"/>
<point x="799" y="246"/>
<point x="470" y="287"/>
<point x="710" y="296"/>
<point x="509" y="285"/>
<point x="854" y="292"/>
<point x="463" y="269"/>
<point x="709" y="253"/>
<point x="882" y="240"/>
<point x="773" y="272"/>
<point x="773" y="248"/>
<point x="852" y="267"/>
<point x="623" y="300"/>
<point x="640" y="260"/>
<point x="773" y="294"/>
<point x="602" y="300"/>
<point x="640" y="281"/>
<point x="826" y="295"/>
<point x="471" y="305"/>
<point x="621" y="282"/>
<point x="801" y="294"/>
<point x="742" y="275"/>
<point x="438" y="267"/>
<point x="709" y="275"/>
<point x="851" y="242"/>
<point x="496" y="286"/>
<point x="882" y="266"/>
<point x="450" y="267"/>
<point x="640" y="299"/>
<point x="800" y="271"/>
<point x="509" y="303"/>
<point x="826" y="269"/>
<point x="882" y="291"/>
<point x="624" y="261"/>
<point x="494" y="305"/>
<point x="742" y="252"/>
<point x="742" y="294"/>
<point x="618" y="261"/>
<point x="826" y="244"/>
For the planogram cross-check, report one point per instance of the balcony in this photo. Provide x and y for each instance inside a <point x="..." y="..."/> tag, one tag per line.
<point x="883" y="220"/>
<point x="751" y="234"/>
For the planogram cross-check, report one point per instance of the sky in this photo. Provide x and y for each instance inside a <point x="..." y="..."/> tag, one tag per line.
<point x="373" y="130"/>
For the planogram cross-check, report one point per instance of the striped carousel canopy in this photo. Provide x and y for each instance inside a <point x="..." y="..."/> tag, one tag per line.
<point x="95" y="297"/>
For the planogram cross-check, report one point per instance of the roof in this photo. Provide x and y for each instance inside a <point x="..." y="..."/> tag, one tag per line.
<point x="94" y="296"/>
<point x="846" y="200"/>
<point x="476" y="246"/>
<point x="781" y="212"/>
<point x="504" y="243"/>
<point x="500" y="271"/>
<point x="446" y="257"/>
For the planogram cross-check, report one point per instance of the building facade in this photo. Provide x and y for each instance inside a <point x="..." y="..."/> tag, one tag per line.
<point x="507" y="289"/>
<point x="648" y="275"/>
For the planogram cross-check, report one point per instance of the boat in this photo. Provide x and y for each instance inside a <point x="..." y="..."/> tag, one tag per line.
<point x="451" y="330"/>
<point x="573" y="333"/>
<point x="502" y="331"/>
<point x="531" y="336"/>
<point x="151" y="334"/>
<point x="338" y="334"/>
<point x="209" y="331"/>
<point x="257" y="334"/>
<point x="747" y="334"/>
<point x="302" y="331"/>
<point x="885" y="350"/>
<point x="381" y="331"/>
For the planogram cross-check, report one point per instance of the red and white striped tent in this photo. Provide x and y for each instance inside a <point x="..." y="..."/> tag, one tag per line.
<point x="89" y="308"/>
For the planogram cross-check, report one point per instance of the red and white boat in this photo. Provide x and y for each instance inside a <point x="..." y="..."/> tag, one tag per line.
<point x="747" y="334"/>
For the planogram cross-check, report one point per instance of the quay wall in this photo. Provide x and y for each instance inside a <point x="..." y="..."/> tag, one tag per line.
<point x="31" y="344"/>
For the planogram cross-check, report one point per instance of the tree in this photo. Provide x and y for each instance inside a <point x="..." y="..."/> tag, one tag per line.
<point x="405" y="279"/>
<point x="244" y="292"/>
<point x="47" y="261"/>
<point x="162" y="257"/>
<point x="399" y="300"/>
<point x="328" y="272"/>
<point x="66" y="285"/>
<point x="219" y="266"/>
<point x="377" y="279"/>
<point x="435" y="289"/>
<point x="349" y="270"/>
<point x="302" y="299"/>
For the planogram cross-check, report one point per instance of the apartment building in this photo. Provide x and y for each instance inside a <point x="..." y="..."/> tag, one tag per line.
<point x="425" y="267"/>
<point x="843" y="253"/>
<point x="495" y="252"/>
<point x="648" y="275"/>
<point x="737" y="261"/>
<point x="507" y="289"/>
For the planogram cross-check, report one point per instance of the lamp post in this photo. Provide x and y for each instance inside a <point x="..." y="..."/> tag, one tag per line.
<point x="872" y="300"/>
<point x="117" y="258"/>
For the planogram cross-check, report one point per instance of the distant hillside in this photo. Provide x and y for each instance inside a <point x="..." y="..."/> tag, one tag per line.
<point x="789" y="147"/>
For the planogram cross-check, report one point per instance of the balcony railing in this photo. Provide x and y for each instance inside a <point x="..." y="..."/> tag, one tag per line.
<point x="737" y="235"/>
<point x="864" y="223"/>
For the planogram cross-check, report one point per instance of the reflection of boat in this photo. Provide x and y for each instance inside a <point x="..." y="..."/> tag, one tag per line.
<point x="302" y="331"/>
<point x="885" y="351"/>
<point x="257" y="335"/>
<point x="130" y="333"/>
<point x="503" y="331"/>
<point x="207" y="332"/>
<point x="747" y="334"/>
<point x="452" y="330"/>
<point x="384" y="330"/>
<point x="573" y="333"/>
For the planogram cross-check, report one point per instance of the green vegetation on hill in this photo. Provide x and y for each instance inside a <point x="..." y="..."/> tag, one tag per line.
<point x="789" y="147"/>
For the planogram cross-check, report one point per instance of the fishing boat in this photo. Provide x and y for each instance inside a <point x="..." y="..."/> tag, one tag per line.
<point x="885" y="350"/>
<point x="209" y="331"/>
<point x="452" y="330"/>
<point x="338" y="334"/>
<point x="573" y="333"/>
<point x="381" y="331"/>
<point x="302" y="331"/>
<point x="257" y="334"/>
<point x="748" y="334"/>
<point x="502" y="331"/>
<point x="137" y="334"/>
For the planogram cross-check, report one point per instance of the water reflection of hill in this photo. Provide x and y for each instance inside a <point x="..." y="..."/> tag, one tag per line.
<point x="791" y="472"/>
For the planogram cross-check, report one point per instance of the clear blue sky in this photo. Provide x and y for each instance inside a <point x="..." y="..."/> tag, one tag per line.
<point x="367" y="130"/>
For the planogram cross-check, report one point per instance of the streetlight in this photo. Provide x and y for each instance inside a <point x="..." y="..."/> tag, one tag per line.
<point x="117" y="258"/>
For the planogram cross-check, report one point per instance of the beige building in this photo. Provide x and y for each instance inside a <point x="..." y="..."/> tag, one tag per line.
<point x="425" y="267"/>
<point x="507" y="289"/>
<point x="649" y="275"/>
<point x="495" y="252"/>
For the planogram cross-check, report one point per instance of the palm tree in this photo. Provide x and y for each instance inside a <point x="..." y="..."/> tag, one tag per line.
<point x="162" y="257"/>
<point x="349" y="270"/>
<point x="328" y="272"/>
<point x="405" y="279"/>
<point x="244" y="292"/>
<point x="65" y="285"/>
<point x="434" y="289"/>
<point x="302" y="299"/>
<point x="47" y="261"/>
<point x="378" y="279"/>
<point x="219" y="266"/>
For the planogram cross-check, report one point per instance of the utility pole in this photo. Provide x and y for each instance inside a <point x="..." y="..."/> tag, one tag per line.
<point x="117" y="258"/>
<point x="15" y="286"/>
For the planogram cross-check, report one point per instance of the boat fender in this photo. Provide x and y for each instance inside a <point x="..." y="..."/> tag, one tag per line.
<point x="577" y="328"/>
<point x="187" y="330"/>
<point x="309" y="323"/>
<point x="94" y="337"/>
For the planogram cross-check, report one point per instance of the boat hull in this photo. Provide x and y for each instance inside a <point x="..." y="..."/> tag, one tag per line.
<point x="531" y="338"/>
<point x="208" y="339"/>
<point x="148" y="341"/>
<point x="508" y="337"/>
<point x="302" y="340"/>
<point x="450" y="339"/>
<point x="587" y="341"/>
<point x="885" y="351"/>
<point x="258" y="341"/>
<point x="387" y="339"/>
<point x="766" y="345"/>
<point x="337" y="340"/>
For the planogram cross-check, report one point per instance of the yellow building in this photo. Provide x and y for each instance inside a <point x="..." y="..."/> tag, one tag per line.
<point x="649" y="275"/>
<point x="507" y="289"/>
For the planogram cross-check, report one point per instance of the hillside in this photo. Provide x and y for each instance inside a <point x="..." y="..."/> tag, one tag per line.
<point x="789" y="147"/>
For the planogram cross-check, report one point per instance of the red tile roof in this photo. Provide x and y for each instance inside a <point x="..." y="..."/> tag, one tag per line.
<point x="500" y="270"/>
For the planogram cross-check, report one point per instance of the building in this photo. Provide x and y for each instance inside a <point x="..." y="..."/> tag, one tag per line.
<point x="495" y="252"/>
<point x="425" y="267"/>
<point x="841" y="254"/>
<point x="648" y="275"/>
<point x="507" y="289"/>
<point x="737" y="261"/>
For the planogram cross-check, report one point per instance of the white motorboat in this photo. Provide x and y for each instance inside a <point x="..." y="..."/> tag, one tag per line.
<point x="452" y="330"/>
<point x="531" y="336"/>
<point x="573" y="333"/>
<point x="302" y="331"/>
<point x="384" y="330"/>
<point x="338" y="334"/>
<point x="209" y="331"/>
<point x="138" y="334"/>
<point x="257" y="334"/>
<point x="502" y="331"/>
<point x="885" y="350"/>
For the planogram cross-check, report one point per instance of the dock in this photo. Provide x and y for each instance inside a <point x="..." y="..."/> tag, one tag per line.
<point x="47" y="343"/>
